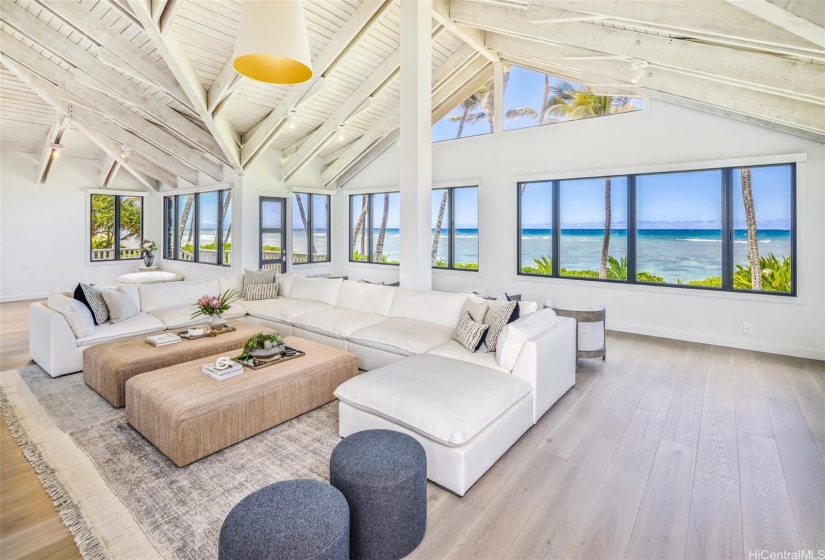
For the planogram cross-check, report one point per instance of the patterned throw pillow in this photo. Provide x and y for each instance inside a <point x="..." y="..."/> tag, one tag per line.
<point x="251" y="277"/>
<point x="92" y="298"/>
<point x="469" y="333"/>
<point x="261" y="291"/>
<point x="120" y="305"/>
<point x="499" y="313"/>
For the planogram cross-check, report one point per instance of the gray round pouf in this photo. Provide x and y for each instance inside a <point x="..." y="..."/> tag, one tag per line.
<point x="290" y="520"/>
<point x="383" y="475"/>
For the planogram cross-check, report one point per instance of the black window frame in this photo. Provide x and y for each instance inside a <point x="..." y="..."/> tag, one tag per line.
<point x="368" y="220"/>
<point x="310" y="212"/>
<point x="727" y="226"/>
<point x="452" y="229"/>
<point x="116" y="249"/>
<point x="262" y="230"/>
<point x="171" y="250"/>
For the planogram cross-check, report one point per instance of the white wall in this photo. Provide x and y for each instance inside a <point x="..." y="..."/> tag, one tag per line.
<point x="44" y="244"/>
<point x="663" y="134"/>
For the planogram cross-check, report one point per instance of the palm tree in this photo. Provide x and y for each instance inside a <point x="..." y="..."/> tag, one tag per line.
<point x="379" y="245"/>
<point x="753" y="241"/>
<point x="225" y="210"/>
<point x="438" y="222"/>
<point x="360" y="227"/>
<point x="311" y="248"/>
<point x="184" y="218"/>
<point x="480" y="105"/>
<point x="570" y="101"/>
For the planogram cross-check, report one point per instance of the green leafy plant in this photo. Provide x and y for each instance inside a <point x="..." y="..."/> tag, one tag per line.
<point x="259" y="342"/>
<point x="776" y="275"/>
<point x="207" y="305"/>
<point x="617" y="269"/>
<point x="648" y="277"/>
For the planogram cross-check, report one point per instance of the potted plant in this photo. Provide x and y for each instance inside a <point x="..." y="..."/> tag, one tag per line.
<point x="147" y="249"/>
<point x="214" y="307"/>
<point x="262" y="346"/>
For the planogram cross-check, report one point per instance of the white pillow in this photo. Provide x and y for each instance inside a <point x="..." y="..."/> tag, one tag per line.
<point x="324" y="290"/>
<point x="120" y="304"/>
<point x="527" y="307"/>
<point x="132" y="291"/>
<point x="231" y="282"/>
<point x="285" y="284"/>
<point x="75" y="312"/>
<point x="513" y="336"/>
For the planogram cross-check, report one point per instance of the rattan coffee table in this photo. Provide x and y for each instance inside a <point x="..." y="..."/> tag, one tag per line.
<point x="188" y="415"/>
<point x="108" y="366"/>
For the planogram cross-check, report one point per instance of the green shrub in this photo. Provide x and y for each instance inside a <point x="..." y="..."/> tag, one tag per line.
<point x="648" y="277"/>
<point x="579" y="273"/>
<point x="776" y="275"/>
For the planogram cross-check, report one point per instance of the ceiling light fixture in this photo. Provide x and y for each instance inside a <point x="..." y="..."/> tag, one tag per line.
<point x="340" y="130"/>
<point x="56" y="150"/>
<point x="291" y="118"/>
<point x="272" y="44"/>
<point x="125" y="151"/>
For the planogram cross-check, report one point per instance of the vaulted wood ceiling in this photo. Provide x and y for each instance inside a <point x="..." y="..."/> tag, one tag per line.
<point x="148" y="86"/>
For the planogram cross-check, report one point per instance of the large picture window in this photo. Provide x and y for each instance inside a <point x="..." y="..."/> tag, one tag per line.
<point x="116" y="227"/>
<point x="198" y="227"/>
<point x="310" y="228"/>
<point x="730" y="229"/>
<point x="455" y="228"/>
<point x="374" y="228"/>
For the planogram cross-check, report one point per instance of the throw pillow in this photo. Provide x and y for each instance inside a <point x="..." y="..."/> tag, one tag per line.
<point x="120" y="304"/>
<point x="75" y="312"/>
<point x="261" y="291"/>
<point x="92" y="298"/>
<point x="478" y="311"/>
<point x="470" y="333"/>
<point x="498" y="315"/>
<point x="251" y="277"/>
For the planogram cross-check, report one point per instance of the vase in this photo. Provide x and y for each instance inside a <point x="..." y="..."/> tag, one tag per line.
<point x="216" y="321"/>
<point x="148" y="259"/>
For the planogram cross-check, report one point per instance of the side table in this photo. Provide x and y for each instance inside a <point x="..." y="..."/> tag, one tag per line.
<point x="148" y="268"/>
<point x="590" y="331"/>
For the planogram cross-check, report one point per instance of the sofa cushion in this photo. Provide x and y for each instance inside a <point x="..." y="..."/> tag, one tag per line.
<point x="513" y="336"/>
<point x="402" y="336"/>
<point x="338" y="323"/>
<point x="120" y="304"/>
<point x="281" y="310"/>
<point x="445" y="400"/>
<point x="323" y="290"/>
<point x="284" y="283"/>
<point x="439" y="308"/>
<point x="453" y="349"/>
<point x="140" y="324"/>
<point x="177" y="316"/>
<point x="75" y="312"/>
<point x="371" y="298"/>
<point x="231" y="282"/>
<point x="168" y="294"/>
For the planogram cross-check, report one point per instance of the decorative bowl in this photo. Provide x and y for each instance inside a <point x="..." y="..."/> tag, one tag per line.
<point x="266" y="353"/>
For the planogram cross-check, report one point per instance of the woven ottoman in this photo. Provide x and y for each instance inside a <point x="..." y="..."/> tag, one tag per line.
<point x="290" y="520"/>
<point x="383" y="475"/>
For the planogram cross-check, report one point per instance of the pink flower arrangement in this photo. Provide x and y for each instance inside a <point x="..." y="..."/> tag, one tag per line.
<point x="214" y="305"/>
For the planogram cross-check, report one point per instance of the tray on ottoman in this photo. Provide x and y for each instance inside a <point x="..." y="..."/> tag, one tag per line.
<point x="107" y="367"/>
<point x="188" y="415"/>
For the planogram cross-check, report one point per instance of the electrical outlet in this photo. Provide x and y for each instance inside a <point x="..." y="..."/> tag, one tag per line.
<point x="748" y="328"/>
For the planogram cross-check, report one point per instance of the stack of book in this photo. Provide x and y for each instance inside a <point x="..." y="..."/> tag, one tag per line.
<point x="226" y="373"/>
<point x="162" y="339"/>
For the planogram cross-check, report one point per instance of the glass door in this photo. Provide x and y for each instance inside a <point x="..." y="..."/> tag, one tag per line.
<point x="272" y="228"/>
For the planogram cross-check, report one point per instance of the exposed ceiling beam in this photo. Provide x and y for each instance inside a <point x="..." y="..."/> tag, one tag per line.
<point x="120" y="86"/>
<point x="368" y="157"/>
<point x="761" y="72"/>
<point x="167" y="15"/>
<point x="715" y="21"/>
<point x="108" y="170"/>
<point x="180" y="66"/>
<point x="227" y="82"/>
<point x="46" y="74"/>
<point x="786" y="19"/>
<point x="260" y="137"/>
<point x="800" y="115"/>
<point x="49" y="152"/>
<point x="88" y="24"/>
<point x="473" y="37"/>
<point x="131" y="141"/>
<point x="137" y="165"/>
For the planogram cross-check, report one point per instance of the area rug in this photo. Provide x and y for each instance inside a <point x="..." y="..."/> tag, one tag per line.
<point x="119" y="495"/>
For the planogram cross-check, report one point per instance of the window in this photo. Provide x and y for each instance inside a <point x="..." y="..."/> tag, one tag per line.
<point x="198" y="227"/>
<point x="310" y="228"/>
<point x="116" y="227"/>
<point x="472" y="117"/>
<point x="535" y="98"/>
<point x="380" y="214"/>
<point x="272" y="233"/>
<point x="455" y="228"/>
<point x="730" y="229"/>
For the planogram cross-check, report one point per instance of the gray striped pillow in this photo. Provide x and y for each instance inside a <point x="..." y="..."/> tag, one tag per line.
<point x="469" y="333"/>
<point x="261" y="291"/>
<point x="498" y="315"/>
<point x="252" y="277"/>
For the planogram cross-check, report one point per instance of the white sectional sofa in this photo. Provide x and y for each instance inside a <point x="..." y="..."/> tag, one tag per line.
<point x="465" y="408"/>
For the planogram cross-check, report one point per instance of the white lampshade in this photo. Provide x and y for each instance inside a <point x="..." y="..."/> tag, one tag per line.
<point x="272" y="44"/>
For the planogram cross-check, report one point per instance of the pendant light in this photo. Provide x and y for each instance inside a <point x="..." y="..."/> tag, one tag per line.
<point x="272" y="44"/>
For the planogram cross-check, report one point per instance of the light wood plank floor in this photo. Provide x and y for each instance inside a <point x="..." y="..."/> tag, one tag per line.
<point x="667" y="450"/>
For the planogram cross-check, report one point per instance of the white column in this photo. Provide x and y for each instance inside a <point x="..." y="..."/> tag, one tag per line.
<point x="416" y="145"/>
<point x="498" y="96"/>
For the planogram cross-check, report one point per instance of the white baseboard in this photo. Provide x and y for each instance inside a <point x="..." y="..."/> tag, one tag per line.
<point x="23" y="297"/>
<point x="810" y="353"/>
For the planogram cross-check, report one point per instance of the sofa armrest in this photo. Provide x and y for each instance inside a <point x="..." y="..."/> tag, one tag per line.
<point x="548" y="363"/>
<point x="52" y="344"/>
